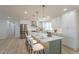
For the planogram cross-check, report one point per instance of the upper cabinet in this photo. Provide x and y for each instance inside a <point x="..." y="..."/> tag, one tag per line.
<point x="57" y="22"/>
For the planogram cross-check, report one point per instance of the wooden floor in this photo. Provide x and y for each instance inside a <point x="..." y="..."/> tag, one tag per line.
<point x="17" y="46"/>
<point x="12" y="46"/>
<point x="66" y="50"/>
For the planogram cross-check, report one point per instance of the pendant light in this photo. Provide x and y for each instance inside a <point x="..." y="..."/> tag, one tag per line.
<point x="43" y="11"/>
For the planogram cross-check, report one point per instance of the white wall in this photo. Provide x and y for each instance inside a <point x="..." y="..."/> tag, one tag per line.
<point x="25" y="22"/>
<point x="78" y="27"/>
<point x="3" y="29"/>
<point x="69" y="27"/>
<point x="7" y="29"/>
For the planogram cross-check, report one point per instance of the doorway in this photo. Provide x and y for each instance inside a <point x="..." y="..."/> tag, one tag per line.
<point x="11" y="30"/>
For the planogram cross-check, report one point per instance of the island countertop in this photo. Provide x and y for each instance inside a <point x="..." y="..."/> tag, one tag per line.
<point x="44" y="38"/>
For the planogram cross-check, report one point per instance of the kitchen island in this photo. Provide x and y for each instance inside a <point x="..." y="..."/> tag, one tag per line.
<point x="52" y="44"/>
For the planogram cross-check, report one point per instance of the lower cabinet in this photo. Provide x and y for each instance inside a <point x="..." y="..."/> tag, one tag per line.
<point x="54" y="47"/>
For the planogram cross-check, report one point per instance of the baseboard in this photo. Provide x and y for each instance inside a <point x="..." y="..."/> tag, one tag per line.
<point x="2" y="38"/>
<point x="17" y="37"/>
<point x="9" y="38"/>
<point x="70" y="48"/>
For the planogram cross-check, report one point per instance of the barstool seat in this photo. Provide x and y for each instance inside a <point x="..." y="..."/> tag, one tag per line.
<point x="34" y="41"/>
<point x="38" y="47"/>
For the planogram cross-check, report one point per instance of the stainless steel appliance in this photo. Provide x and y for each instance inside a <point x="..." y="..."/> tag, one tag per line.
<point x="23" y="29"/>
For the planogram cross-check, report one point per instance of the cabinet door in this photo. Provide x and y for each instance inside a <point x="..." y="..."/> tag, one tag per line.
<point x="54" y="47"/>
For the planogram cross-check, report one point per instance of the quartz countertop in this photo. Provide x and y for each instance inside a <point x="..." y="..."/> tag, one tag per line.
<point x="44" y="38"/>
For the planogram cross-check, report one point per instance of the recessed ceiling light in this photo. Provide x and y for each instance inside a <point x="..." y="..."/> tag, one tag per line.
<point x="65" y="9"/>
<point x="9" y="17"/>
<point x="25" y="12"/>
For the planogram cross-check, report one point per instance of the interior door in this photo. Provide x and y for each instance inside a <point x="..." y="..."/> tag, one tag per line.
<point x="11" y="30"/>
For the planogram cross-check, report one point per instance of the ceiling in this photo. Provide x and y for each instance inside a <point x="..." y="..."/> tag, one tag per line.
<point x="17" y="11"/>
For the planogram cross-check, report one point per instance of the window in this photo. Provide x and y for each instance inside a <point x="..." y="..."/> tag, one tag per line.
<point x="47" y="26"/>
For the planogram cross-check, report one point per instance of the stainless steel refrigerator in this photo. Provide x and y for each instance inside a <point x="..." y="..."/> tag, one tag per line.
<point x="23" y="29"/>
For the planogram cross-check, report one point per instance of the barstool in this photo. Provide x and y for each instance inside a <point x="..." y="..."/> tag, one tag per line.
<point x="35" y="48"/>
<point x="29" y="36"/>
<point x="26" y="41"/>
